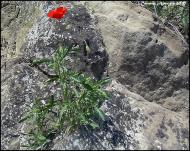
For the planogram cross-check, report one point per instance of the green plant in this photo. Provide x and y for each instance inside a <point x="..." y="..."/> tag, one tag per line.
<point x="173" y="12"/>
<point x="79" y="101"/>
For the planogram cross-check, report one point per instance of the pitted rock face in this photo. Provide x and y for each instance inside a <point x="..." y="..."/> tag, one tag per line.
<point x="148" y="63"/>
<point x="150" y="68"/>
<point x="116" y="132"/>
<point x="23" y="83"/>
<point x="144" y="54"/>
<point x="76" y="28"/>
<point x="153" y="127"/>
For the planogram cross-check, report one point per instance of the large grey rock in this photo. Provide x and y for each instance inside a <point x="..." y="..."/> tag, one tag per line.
<point x="144" y="55"/>
<point x="148" y="105"/>
<point x="76" y="28"/>
<point x="22" y="83"/>
<point x="117" y="132"/>
<point x="132" y="123"/>
<point x="17" y="83"/>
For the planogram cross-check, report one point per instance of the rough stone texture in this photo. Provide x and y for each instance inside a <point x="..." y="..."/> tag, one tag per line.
<point x="22" y="83"/>
<point x="149" y="93"/>
<point x="14" y="30"/>
<point x="144" y="55"/>
<point x="132" y="123"/>
<point x="117" y="132"/>
<point x="162" y="129"/>
<point x="18" y="80"/>
<point x="76" y="28"/>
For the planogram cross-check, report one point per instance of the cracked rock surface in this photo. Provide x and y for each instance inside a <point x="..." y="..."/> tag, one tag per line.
<point x="149" y="66"/>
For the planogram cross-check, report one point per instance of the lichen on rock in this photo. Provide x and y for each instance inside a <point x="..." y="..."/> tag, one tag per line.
<point x="148" y="105"/>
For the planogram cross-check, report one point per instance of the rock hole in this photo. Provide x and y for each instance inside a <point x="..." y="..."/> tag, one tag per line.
<point x="155" y="28"/>
<point x="155" y="18"/>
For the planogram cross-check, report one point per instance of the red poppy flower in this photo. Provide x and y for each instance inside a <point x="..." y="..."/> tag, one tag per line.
<point x="57" y="13"/>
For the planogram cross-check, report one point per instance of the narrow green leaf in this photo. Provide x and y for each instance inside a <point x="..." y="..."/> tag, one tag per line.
<point x="41" y="137"/>
<point x="94" y="125"/>
<point x="87" y="86"/>
<point x="83" y="118"/>
<point x="100" y="113"/>
<point x="42" y="144"/>
<point x="25" y="118"/>
<point x="40" y="61"/>
<point x="51" y="101"/>
<point x="51" y="65"/>
<point x="52" y="79"/>
<point x="63" y="109"/>
<point x="104" y="81"/>
<point x="68" y="129"/>
<point x="75" y="79"/>
<point x="103" y="94"/>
